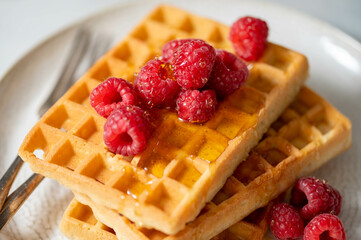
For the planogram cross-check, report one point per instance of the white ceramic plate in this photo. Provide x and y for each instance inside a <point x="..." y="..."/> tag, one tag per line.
<point x="335" y="61"/>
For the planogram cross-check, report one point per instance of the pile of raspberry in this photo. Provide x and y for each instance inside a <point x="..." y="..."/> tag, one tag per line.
<point x="190" y="77"/>
<point x="312" y="213"/>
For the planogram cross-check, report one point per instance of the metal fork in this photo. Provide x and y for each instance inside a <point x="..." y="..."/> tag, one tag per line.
<point x="82" y="49"/>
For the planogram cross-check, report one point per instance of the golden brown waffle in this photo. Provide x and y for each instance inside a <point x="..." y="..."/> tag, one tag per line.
<point x="184" y="164"/>
<point x="308" y="133"/>
<point x="80" y="223"/>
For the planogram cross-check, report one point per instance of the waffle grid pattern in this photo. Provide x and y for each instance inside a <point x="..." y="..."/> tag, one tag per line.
<point x="79" y="222"/>
<point x="184" y="164"/>
<point x="308" y="133"/>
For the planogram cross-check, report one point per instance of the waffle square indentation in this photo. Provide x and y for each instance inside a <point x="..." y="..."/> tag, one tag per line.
<point x="230" y="188"/>
<point x="166" y="196"/>
<point x="64" y="117"/>
<point x="178" y="136"/>
<point x="278" y="57"/>
<point x="141" y="33"/>
<point x="156" y="162"/>
<point x="66" y="156"/>
<point x="248" y="100"/>
<point x="81" y="94"/>
<point x="134" y="53"/>
<point x="185" y="173"/>
<point x="45" y="141"/>
<point x="83" y="213"/>
<point x="250" y="169"/>
<point x="91" y="130"/>
<point x="187" y="25"/>
<point x="216" y="36"/>
<point x="102" y="72"/>
<point x="107" y="229"/>
<point x="97" y="169"/>
<point x="235" y="122"/>
<point x="321" y="121"/>
<point x="299" y="107"/>
<point x="209" y="149"/>
<point x="260" y="81"/>
<point x="256" y="216"/>
<point x="299" y="133"/>
<point x="130" y="183"/>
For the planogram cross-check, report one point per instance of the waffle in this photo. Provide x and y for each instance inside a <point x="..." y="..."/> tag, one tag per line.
<point x="308" y="133"/>
<point x="184" y="165"/>
<point x="80" y="223"/>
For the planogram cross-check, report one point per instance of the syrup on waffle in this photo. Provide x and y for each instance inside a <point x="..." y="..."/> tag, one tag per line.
<point x="80" y="223"/>
<point x="308" y="133"/>
<point x="184" y="164"/>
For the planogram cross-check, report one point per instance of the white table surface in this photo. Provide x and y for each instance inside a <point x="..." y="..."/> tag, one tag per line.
<point x="25" y="23"/>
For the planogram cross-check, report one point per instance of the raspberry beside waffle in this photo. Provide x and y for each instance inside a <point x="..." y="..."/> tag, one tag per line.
<point x="308" y="133"/>
<point x="184" y="165"/>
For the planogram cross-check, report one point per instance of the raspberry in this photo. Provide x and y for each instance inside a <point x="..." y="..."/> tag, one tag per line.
<point x="286" y="222"/>
<point x="314" y="196"/>
<point x="229" y="73"/>
<point x="111" y="94"/>
<point x="193" y="63"/>
<point x="126" y="131"/>
<point x="196" y="106"/>
<point x="170" y="47"/>
<point x="324" y="226"/>
<point x="249" y="37"/>
<point x="156" y="84"/>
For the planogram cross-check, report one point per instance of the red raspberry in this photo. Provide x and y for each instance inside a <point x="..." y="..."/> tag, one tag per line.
<point x="170" y="47"/>
<point x="126" y="131"/>
<point x="229" y="73"/>
<point x="193" y="63"/>
<point x="249" y="37"/>
<point x="286" y="222"/>
<point x="314" y="196"/>
<point x="324" y="226"/>
<point x="196" y="106"/>
<point x="156" y="83"/>
<point x="111" y="94"/>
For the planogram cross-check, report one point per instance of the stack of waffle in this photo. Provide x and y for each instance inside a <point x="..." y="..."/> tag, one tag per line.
<point x="181" y="186"/>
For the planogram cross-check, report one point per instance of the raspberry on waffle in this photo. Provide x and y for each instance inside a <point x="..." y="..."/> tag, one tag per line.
<point x="196" y="106"/>
<point x="249" y="37"/>
<point x="184" y="165"/>
<point x="306" y="135"/>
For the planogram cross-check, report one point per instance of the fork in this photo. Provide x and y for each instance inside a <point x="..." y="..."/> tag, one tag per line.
<point x="82" y="49"/>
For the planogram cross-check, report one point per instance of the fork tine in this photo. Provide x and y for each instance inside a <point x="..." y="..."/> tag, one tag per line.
<point x="102" y="47"/>
<point x="8" y="179"/>
<point x="77" y="52"/>
<point x="18" y="197"/>
<point x="98" y="44"/>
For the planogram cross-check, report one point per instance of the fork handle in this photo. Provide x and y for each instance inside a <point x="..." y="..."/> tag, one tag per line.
<point x="18" y="197"/>
<point x="8" y="179"/>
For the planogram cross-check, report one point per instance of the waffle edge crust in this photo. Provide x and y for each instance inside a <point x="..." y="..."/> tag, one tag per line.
<point x="184" y="165"/>
<point x="80" y="223"/>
